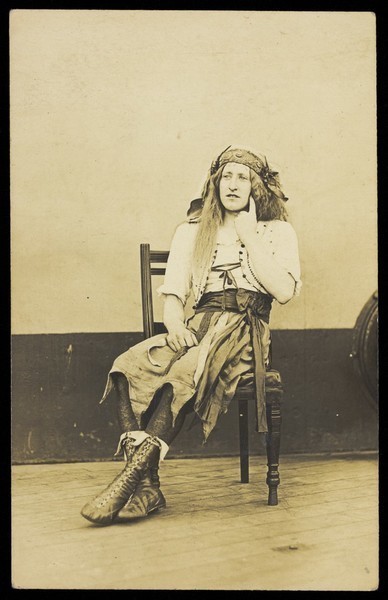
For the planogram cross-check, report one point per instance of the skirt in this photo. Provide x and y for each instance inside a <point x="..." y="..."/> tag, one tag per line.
<point x="210" y="372"/>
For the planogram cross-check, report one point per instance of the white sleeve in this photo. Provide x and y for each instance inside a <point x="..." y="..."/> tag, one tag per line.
<point x="286" y="251"/>
<point x="177" y="280"/>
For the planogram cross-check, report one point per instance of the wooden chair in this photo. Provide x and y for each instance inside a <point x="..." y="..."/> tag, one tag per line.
<point x="245" y="390"/>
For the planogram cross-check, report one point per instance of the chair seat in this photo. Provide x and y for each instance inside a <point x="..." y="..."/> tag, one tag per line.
<point x="273" y="380"/>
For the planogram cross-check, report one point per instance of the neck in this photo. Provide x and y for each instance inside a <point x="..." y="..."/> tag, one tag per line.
<point x="228" y="220"/>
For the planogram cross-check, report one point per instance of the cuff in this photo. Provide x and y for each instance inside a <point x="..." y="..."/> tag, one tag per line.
<point x="138" y="438"/>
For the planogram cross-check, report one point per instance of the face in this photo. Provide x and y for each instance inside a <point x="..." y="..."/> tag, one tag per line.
<point x="235" y="187"/>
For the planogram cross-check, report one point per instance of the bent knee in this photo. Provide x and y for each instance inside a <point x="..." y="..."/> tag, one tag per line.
<point x="119" y="380"/>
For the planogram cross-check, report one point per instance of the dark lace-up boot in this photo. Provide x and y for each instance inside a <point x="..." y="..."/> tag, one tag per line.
<point x="147" y="498"/>
<point x="104" y="508"/>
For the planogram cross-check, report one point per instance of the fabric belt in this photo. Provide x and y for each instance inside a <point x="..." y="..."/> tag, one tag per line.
<point x="257" y="307"/>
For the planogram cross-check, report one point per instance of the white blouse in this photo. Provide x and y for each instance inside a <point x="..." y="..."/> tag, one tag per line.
<point x="279" y="239"/>
<point x="226" y="271"/>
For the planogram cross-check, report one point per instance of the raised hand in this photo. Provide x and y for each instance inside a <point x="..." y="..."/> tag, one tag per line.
<point x="246" y="222"/>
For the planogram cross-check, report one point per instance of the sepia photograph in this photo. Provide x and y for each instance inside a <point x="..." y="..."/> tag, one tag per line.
<point x="194" y="300"/>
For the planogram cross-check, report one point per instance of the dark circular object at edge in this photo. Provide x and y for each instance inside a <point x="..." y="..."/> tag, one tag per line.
<point x="364" y="351"/>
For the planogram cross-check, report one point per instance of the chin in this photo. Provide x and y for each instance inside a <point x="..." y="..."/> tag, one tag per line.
<point x="233" y="207"/>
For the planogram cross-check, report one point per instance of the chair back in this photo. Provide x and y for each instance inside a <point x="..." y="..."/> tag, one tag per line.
<point x="148" y="258"/>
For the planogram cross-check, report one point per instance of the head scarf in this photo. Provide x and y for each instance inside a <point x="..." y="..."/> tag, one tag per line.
<point x="258" y="165"/>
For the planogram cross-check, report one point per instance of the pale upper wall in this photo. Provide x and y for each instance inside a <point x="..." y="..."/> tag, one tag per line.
<point x="116" y="116"/>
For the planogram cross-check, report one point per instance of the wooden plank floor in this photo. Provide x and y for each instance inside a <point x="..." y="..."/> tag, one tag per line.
<point x="215" y="533"/>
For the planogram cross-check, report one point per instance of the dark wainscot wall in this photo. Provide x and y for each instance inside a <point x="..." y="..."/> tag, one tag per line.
<point x="58" y="379"/>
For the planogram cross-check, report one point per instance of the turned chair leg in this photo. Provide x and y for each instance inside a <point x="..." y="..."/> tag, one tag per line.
<point x="274" y="419"/>
<point x="244" y="442"/>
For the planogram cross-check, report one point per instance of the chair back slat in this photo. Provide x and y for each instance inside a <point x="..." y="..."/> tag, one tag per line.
<point x="147" y="257"/>
<point x="155" y="271"/>
<point x="159" y="256"/>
